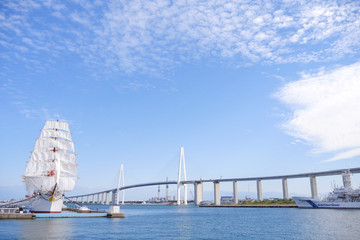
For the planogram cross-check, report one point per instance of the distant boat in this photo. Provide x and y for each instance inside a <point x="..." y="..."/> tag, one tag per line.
<point x="52" y="169"/>
<point x="344" y="197"/>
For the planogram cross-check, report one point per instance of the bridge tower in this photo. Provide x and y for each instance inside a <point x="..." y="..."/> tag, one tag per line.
<point x="122" y="183"/>
<point x="181" y="165"/>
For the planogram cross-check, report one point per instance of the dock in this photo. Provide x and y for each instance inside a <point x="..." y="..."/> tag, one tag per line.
<point x="115" y="215"/>
<point x="77" y="210"/>
<point x="17" y="215"/>
<point x="109" y="215"/>
<point x="66" y="213"/>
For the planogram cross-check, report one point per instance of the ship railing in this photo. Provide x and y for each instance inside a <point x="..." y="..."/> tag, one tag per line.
<point x="16" y="202"/>
<point x="8" y="210"/>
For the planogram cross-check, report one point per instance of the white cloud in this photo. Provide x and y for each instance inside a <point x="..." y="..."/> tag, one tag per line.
<point x="131" y="36"/>
<point x="345" y="155"/>
<point x="326" y="110"/>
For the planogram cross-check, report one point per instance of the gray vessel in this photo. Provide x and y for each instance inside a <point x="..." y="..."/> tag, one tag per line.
<point x="341" y="197"/>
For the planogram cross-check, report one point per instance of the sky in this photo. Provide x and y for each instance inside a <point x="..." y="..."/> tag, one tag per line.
<point x="248" y="88"/>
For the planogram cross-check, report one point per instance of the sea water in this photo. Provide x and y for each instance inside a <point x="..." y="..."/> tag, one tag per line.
<point x="191" y="222"/>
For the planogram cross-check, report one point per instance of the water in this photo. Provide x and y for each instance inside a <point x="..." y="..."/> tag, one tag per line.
<point x="190" y="222"/>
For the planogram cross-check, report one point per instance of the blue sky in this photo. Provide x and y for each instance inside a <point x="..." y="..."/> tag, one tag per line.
<point x="248" y="88"/>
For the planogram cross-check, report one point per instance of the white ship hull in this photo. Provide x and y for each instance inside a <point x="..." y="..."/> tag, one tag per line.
<point x="41" y="204"/>
<point x="303" y="202"/>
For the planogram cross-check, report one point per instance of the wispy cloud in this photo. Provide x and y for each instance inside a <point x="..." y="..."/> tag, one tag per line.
<point x="129" y="36"/>
<point x="326" y="110"/>
<point x="10" y="91"/>
<point x="344" y="155"/>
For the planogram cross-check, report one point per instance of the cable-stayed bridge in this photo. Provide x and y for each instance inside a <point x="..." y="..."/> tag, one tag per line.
<point x="103" y="197"/>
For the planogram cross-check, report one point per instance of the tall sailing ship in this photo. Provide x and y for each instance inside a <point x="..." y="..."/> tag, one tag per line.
<point x="52" y="169"/>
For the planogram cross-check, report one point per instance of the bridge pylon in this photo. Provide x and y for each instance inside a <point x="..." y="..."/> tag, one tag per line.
<point x="121" y="183"/>
<point x="181" y="165"/>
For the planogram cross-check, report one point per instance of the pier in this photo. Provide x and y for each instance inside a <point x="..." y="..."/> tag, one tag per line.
<point x="10" y="213"/>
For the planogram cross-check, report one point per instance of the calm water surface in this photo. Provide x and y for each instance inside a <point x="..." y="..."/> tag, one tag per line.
<point x="190" y="222"/>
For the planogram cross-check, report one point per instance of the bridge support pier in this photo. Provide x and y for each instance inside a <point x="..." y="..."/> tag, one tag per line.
<point x="98" y="198"/>
<point x="102" y="198"/>
<point x="107" y="198"/>
<point x="185" y="194"/>
<point x="178" y="200"/>
<point x="82" y="199"/>
<point x="346" y="179"/>
<point x="285" y="188"/>
<point x="113" y="196"/>
<point x="198" y="186"/>
<point x="313" y="185"/>
<point x="217" y="193"/>
<point x="235" y="192"/>
<point x="259" y="190"/>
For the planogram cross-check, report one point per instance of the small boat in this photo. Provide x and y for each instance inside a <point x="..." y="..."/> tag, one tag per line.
<point x="342" y="197"/>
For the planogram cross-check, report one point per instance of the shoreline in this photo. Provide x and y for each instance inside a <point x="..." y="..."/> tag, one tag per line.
<point x="254" y="206"/>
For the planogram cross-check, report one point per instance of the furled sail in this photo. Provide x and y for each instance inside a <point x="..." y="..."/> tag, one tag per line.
<point x="53" y="160"/>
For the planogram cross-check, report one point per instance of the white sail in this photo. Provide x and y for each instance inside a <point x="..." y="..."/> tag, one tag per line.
<point x="50" y="155"/>
<point x="55" y="134"/>
<point x="57" y="125"/>
<point x="39" y="168"/>
<point x="49" y="149"/>
<point x="53" y="143"/>
<point x="52" y="163"/>
<point x="69" y="170"/>
<point x="40" y="183"/>
<point x="67" y="184"/>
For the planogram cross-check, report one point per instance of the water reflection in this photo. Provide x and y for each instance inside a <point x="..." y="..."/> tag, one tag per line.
<point x="329" y="223"/>
<point x="47" y="228"/>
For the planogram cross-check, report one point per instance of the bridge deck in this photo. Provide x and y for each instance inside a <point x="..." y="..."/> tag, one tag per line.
<point x="302" y="175"/>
